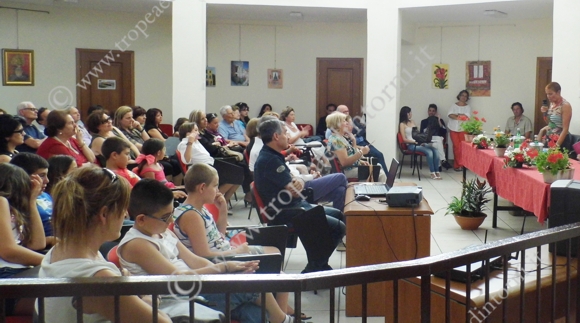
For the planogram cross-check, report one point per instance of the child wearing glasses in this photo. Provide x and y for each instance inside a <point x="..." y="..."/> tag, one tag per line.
<point x="149" y="248"/>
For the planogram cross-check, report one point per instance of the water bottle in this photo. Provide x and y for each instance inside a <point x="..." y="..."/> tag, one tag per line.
<point x="518" y="139"/>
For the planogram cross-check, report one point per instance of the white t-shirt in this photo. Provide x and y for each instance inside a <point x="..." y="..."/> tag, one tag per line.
<point x="455" y="125"/>
<point x="198" y="153"/>
<point x="255" y="152"/>
<point x="60" y="309"/>
<point x="16" y="233"/>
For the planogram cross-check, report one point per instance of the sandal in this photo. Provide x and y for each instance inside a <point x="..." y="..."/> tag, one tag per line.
<point x="433" y="176"/>
<point x="438" y="176"/>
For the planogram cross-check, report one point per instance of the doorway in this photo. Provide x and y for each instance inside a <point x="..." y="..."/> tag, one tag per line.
<point x="543" y="77"/>
<point x="339" y="81"/>
<point x="104" y="77"/>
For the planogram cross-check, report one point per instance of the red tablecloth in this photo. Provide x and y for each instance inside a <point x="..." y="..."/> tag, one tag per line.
<point x="524" y="187"/>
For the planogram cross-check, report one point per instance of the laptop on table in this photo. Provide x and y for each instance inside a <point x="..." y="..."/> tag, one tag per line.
<point x="378" y="189"/>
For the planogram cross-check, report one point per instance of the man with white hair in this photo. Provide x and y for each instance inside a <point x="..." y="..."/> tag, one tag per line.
<point x="32" y="136"/>
<point x="229" y="129"/>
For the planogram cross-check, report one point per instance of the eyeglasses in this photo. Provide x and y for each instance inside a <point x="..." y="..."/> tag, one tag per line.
<point x="21" y="131"/>
<point x="106" y="120"/>
<point x="111" y="175"/>
<point x="31" y="109"/>
<point x="165" y="218"/>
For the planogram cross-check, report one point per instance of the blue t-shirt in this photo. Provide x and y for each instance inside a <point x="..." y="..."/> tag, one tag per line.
<point x="44" y="206"/>
<point x="232" y="132"/>
<point x="30" y="131"/>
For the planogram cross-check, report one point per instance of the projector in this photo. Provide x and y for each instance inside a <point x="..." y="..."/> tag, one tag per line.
<point x="404" y="196"/>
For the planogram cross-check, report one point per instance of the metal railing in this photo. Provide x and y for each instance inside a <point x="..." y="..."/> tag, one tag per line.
<point x="364" y="275"/>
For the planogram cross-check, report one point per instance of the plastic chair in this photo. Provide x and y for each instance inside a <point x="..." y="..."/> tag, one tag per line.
<point x="181" y="163"/>
<point x="404" y="149"/>
<point x="166" y="128"/>
<point x="113" y="257"/>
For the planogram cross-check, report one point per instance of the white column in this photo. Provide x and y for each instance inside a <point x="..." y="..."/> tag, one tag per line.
<point x="382" y="76"/>
<point x="566" y="56"/>
<point x="189" y="57"/>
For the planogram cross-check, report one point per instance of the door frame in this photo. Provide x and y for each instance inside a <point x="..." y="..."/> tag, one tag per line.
<point x="321" y="106"/>
<point x="540" y="95"/>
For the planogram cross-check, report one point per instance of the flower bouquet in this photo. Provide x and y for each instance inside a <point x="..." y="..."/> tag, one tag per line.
<point x="473" y="125"/>
<point x="481" y="141"/>
<point x="501" y="140"/>
<point x="516" y="158"/>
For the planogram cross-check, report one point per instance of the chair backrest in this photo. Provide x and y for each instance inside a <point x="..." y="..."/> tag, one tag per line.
<point x="166" y="128"/>
<point x="215" y="212"/>
<point x="183" y="166"/>
<point x="171" y="144"/>
<point x="247" y="156"/>
<point x="113" y="257"/>
<point x="259" y="204"/>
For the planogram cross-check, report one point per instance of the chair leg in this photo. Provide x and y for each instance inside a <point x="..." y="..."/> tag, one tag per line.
<point x="402" y="163"/>
<point x="418" y="171"/>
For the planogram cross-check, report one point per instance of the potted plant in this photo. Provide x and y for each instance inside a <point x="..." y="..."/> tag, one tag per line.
<point x="468" y="209"/>
<point x="471" y="126"/>
<point x="481" y="141"/>
<point x="554" y="165"/>
<point x="501" y="142"/>
<point x="516" y="158"/>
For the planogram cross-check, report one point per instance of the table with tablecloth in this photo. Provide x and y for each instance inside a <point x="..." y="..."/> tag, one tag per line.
<point x="524" y="186"/>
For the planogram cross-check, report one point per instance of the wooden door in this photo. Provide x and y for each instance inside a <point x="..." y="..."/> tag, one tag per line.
<point x="339" y="81"/>
<point x="104" y="77"/>
<point x="543" y="77"/>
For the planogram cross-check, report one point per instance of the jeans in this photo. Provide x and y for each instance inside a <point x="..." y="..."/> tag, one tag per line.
<point x="432" y="156"/>
<point x="374" y="152"/>
<point x="330" y="188"/>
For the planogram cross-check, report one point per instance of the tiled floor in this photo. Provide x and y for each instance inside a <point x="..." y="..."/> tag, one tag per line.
<point x="446" y="236"/>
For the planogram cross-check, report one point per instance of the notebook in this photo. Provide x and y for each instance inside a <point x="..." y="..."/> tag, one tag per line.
<point x="379" y="189"/>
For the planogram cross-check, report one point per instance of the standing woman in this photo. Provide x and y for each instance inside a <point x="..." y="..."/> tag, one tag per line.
<point x="559" y="115"/>
<point x="460" y="108"/>
<point x="11" y="135"/>
<point x="82" y="228"/>
<point x="153" y="119"/>
<point x="64" y="138"/>
<point x="406" y="125"/>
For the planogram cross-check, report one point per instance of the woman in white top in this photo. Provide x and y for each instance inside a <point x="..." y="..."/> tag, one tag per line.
<point x="460" y="108"/>
<point x="82" y="229"/>
<point x="296" y="136"/>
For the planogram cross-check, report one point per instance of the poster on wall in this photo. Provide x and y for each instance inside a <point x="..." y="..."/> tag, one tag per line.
<point x="106" y="84"/>
<point x="440" y="76"/>
<point x="240" y="73"/>
<point x="17" y="67"/>
<point x="478" y="78"/>
<point x="210" y="76"/>
<point x="275" y="79"/>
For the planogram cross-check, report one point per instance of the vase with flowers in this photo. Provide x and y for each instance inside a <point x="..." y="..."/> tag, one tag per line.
<point x="481" y="141"/>
<point x="471" y="126"/>
<point x="501" y="142"/>
<point x="515" y="158"/>
<point x="554" y="165"/>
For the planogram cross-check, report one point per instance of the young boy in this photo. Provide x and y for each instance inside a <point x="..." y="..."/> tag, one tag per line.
<point x="117" y="152"/>
<point x="149" y="248"/>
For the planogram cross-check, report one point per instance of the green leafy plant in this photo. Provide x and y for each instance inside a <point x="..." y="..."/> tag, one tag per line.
<point x="553" y="161"/>
<point x="501" y="140"/>
<point x="472" y="201"/>
<point x="473" y="125"/>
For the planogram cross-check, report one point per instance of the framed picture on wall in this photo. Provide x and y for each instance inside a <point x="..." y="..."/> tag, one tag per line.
<point x="275" y="79"/>
<point x="210" y="76"/>
<point x="240" y="73"/>
<point x="478" y="78"/>
<point x="17" y="67"/>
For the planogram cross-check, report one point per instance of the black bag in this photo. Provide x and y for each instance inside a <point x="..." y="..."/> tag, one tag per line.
<point x="422" y="138"/>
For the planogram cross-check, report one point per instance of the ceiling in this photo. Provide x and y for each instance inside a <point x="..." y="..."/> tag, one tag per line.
<point x="468" y="13"/>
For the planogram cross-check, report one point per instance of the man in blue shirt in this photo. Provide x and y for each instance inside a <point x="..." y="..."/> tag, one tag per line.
<point x="279" y="190"/>
<point x="231" y="130"/>
<point x="32" y="136"/>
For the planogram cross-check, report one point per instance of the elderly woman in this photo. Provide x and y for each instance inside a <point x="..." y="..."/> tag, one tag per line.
<point x="154" y="117"/>
<point x="130" y="127"/>
<point x="64" y="138"/>
<point x="76" y="115"/>
<point x="343" y="144"/>
<point x="11" y="135"/>
<point x="558" y="116"/>
<point x="101" y="127"/>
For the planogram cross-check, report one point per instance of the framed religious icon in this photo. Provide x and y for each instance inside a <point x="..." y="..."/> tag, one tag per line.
<point x="17" y="67"/>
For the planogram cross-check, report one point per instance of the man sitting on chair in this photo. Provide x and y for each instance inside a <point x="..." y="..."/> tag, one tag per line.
<point x="438" y="137"/>
<point x="279" y="190"/>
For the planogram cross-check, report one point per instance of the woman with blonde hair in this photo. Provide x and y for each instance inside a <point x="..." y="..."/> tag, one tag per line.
<point x="132" y="129"/>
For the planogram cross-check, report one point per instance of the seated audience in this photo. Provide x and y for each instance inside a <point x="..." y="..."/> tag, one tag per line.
<point x="237" y="116"/>
<point x="101" y="127"/>
<point x="153" y="118"/>
<point x="439" y="133"/>
<point x="33" y="164"/>
<point x="265" y="108"/>
<point x="82" y="228"/>
<point x="321" y="127"/>
<point x="296" y="136"/>
<point x="231" y="130"/>
<point x="148" y="165"/>
<point x="11" y="136"/>
<point x="58" y="167"/>
<point x="279" y="189"/>
<point x="519" y="120"/>
<point x="178" y="124"/>
<point x="64" y="138"/>
<point x="21" y="230"/>
<point x="131" y="128"/>
<point x="117" y="153"/>
<point x="76" y="115"/>
<point x="41" y="119"/>
<point x="343" y="145"/>
<point x="149" y="248"/>
<point x="244" y="111"/>
<point x="139" y="114"/>
<point x="33" y="137"/>
<point x="406" y="125"/>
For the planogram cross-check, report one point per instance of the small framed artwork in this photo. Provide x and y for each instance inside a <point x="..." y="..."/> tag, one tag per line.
<point x="210" y="76"/>
<point x="107" y="84"/>
<point x="17" y="67"/>
<point x="275" y="79"/>
<point x="240" y="73"/>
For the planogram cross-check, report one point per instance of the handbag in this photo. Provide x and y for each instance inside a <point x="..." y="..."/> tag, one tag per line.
<point x="421" y="137"/>
<point x="224" y="152"/>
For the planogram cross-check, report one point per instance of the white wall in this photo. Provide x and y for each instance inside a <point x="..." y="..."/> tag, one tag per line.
<point x="297" y="46"/>
<point x="55" y="36"/>
<point x="512" y="48"/>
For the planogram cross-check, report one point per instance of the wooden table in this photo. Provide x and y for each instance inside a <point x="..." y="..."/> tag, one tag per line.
<point x="493" y="309"/>
<point x="377" y="233"/>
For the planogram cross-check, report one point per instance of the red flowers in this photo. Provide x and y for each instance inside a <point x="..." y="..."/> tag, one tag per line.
<point x="553" y="158"/>
<point x="483" y="119"/>
<point x="532" y="153"/>
<point x="519" y="158"/>
<point x="475" y="112"/>
<point x="463" y="118"/>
